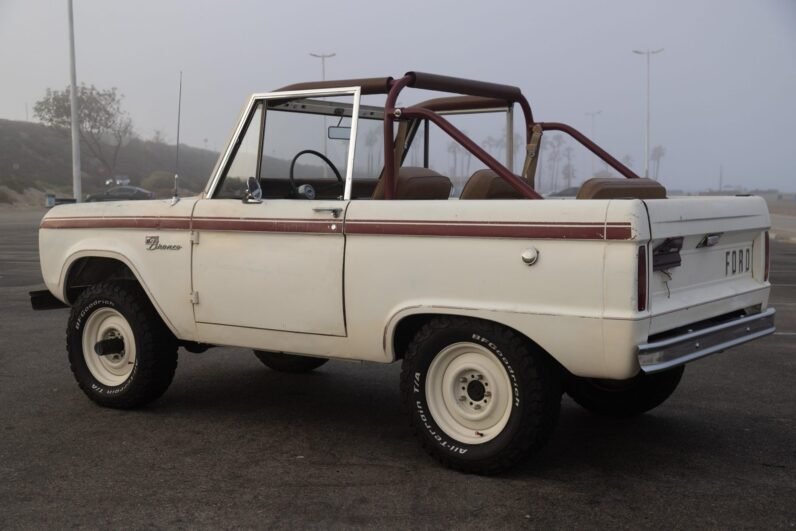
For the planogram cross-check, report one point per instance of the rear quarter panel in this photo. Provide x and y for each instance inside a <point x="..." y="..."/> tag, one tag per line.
<point x="464" y="257"/>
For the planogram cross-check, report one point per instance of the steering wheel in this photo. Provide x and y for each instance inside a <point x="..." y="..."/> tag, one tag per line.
<point x="294" y="188"/>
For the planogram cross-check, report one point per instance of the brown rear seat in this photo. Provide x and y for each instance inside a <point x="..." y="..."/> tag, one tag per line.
<point x="486" y="184"/>
<point x="613" y="188"/>
<point x="417" y="183"/>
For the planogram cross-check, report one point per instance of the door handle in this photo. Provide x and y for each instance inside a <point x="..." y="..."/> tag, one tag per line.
<point x="335" y="212"/>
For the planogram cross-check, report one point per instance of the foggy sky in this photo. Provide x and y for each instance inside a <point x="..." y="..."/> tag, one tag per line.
<point x="723" y="91"/>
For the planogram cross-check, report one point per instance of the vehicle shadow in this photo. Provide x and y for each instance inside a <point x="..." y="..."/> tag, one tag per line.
<point x="361" y="404"/>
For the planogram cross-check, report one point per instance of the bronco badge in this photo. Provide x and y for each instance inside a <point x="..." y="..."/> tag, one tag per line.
<point x="153" y="244"/>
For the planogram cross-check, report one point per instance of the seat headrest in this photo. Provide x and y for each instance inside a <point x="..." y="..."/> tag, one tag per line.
<point x="614" y="188"/>
<point x="486" y="184"/>
<point x="417" y="183"/>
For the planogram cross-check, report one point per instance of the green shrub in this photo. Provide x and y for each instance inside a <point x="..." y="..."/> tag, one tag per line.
<point x="158" y="179"/>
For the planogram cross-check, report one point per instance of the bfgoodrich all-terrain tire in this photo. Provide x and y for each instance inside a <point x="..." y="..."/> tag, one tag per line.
<point x="144" y="359"/>
<point x="480" y="398"/>
<point x="292" y="363"/>
<point x="625" y="398"/>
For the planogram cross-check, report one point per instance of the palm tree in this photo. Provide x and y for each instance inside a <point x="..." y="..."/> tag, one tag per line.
<point x="568" y="171"/>
<point x="371" y="138"/>
<point x="453" y="150"/>
<point x="556" y="143"/>
<point x="657" y="154"/>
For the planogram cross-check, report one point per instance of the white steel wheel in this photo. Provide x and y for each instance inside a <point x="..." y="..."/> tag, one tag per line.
<point x="469" y="393"/>
<point x="112" y="369"/>
<point x="138" y="353"/>
<point x="480" y="398"/>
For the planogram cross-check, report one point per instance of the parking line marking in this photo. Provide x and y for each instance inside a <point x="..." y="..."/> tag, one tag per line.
<point x="785" y="333"/>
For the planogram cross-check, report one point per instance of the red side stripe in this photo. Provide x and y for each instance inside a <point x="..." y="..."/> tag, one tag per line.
<point x="478" y="229"/>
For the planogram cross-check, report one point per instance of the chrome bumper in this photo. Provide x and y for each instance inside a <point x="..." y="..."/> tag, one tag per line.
<point x="678" y="350"/>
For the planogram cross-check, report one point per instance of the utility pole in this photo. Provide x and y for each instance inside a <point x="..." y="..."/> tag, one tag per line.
<point x="593" y="116"/>
<point x="323" y="57"/>
<point x="77" y="191"/>
<point x="648" y="53"/>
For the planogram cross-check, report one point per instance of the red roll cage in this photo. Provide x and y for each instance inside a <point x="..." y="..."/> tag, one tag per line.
<point x="474" y="95"/>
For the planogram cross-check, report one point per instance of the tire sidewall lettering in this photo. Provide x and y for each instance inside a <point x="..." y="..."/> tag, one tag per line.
<point x="515" y="386"/>
<point x="89" y="308"/>
<point x="95" y="386"/>
<point x="428" y="426"/>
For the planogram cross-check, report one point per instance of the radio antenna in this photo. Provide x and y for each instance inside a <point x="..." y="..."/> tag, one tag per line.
<point x="176" y="196"/>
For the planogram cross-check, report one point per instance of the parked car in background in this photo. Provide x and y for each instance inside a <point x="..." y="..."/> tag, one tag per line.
<point x="121" y="193"/>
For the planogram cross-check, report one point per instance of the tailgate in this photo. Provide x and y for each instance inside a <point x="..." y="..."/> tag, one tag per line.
<point x="708" y="258"/>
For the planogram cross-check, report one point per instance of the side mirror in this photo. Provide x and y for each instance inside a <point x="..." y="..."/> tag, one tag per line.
<point x="254" y="194"/>
<point x="339" y="133"/>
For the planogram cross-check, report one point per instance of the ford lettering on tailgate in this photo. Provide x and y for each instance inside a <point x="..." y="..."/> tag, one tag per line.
<point x="737" y="261"/>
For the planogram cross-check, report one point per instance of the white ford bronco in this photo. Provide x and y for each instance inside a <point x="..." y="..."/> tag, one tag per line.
<point x="327" y="231"/>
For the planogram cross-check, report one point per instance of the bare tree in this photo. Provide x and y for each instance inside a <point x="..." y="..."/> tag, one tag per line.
<point x="104" y="127"/>
<point x="657" y="154"/>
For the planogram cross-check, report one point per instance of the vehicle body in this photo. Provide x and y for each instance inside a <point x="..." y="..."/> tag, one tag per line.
<point x="605" y="296"/>
<point x="121" y="193"/>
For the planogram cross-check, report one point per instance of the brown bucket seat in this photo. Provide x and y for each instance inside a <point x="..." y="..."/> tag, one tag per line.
<point x="486" y="184"/>
<point x="417" y="183"/>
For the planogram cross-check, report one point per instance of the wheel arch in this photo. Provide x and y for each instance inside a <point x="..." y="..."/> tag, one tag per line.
<point x="405" y="324"/>
<point x="85" y="268"/>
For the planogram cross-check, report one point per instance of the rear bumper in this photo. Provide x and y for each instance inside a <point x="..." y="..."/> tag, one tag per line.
<point x="682" y="348"/>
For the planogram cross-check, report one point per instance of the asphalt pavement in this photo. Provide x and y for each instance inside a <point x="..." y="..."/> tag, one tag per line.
<point x="232" y="444"/>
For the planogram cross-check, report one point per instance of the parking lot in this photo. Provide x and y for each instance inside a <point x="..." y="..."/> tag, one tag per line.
<point x="232" y="444"/>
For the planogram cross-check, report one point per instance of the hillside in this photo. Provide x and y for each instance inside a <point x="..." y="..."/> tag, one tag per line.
<point x="35" y="158"/>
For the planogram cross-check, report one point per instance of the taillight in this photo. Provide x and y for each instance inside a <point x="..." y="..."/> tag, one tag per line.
<point x="642" y="278"/>
<point x="768" y="261"/>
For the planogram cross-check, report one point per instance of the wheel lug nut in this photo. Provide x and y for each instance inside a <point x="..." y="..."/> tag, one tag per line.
<point x="462" y="398"/>
<point x="487" y="394"/>
<point x="463" y="379"/>
<point x="477" y="406"/>
<point x="479" y="376"/>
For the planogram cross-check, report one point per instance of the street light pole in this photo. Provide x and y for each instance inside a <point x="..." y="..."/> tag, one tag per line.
<point x="77" y="191"/>
<point x="648" y="53"/>
<point x="323" y="57"/>
<point x="593" y="116"/>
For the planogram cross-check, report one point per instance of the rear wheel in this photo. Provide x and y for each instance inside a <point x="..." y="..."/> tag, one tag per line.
<point x="292" y="363"/>
<point x="479" y="398"/>
<point x="625" y="398"/>
<point x="120" y="351"/>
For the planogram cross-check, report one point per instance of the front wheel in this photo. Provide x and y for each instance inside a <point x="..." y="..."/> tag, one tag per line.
<point x="479" y="398"/>
<point x="120" y="351"/>
<point x="625" y="398"/>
